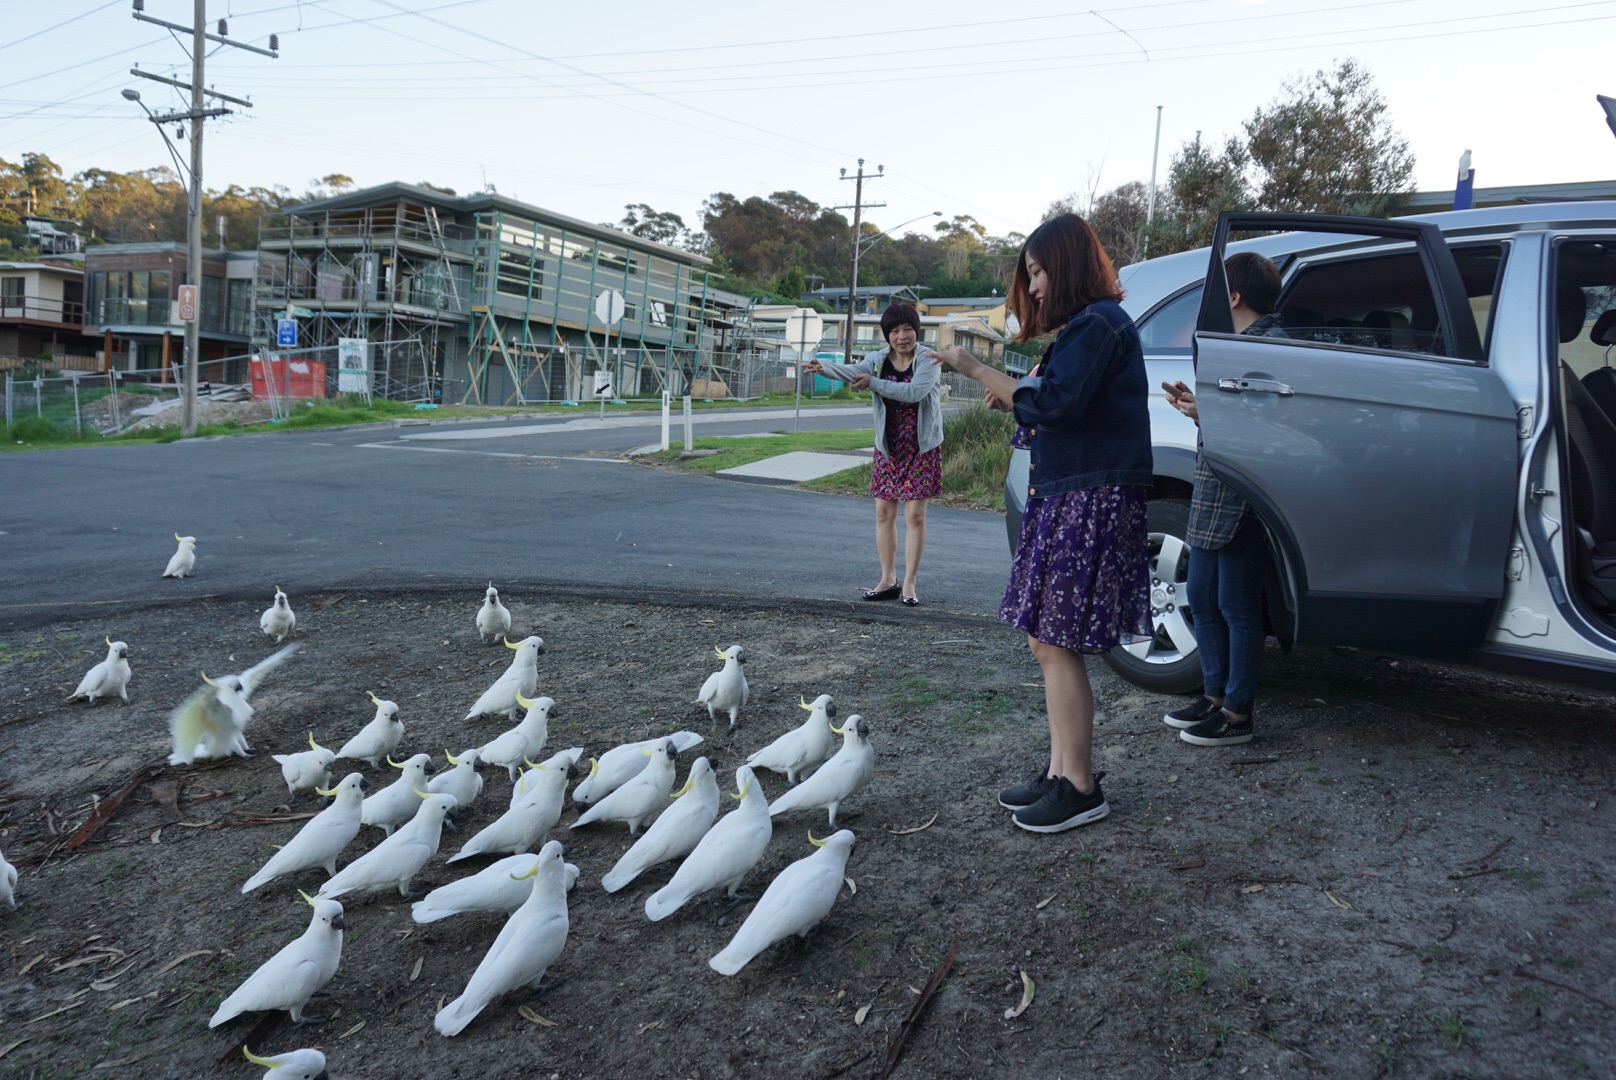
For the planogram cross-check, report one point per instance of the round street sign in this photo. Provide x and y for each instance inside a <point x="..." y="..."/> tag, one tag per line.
<point x="609" y="306"/>
<point x="804" y="329"/>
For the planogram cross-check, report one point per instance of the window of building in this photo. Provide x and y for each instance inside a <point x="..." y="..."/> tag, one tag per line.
<point x="11" y="291"/>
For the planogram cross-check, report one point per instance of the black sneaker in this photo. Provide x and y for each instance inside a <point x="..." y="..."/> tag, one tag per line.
<point x="1014" y="798"/>
<point x="1218" y="730"/>
<point x="1063" y="807"/>
<point x="1190" y="715"/>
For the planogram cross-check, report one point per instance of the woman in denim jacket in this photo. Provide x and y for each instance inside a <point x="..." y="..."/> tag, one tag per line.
<point x="1080" y="578"/>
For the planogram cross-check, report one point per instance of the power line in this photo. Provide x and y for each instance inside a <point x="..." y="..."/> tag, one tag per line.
<point x="58" y="26"/>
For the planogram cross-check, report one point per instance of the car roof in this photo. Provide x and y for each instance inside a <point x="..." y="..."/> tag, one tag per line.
<point x="1146" y="283"/>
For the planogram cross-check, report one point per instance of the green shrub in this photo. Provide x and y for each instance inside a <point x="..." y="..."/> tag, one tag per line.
<point x="34" y="430"/>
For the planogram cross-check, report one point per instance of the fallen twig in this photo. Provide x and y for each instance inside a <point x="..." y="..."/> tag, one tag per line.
<point x="1475" y="873"/>
<point x="1256" y="760"/>
<point x="109" y="806"/>
<point x="905" y="1029"/>
<point x="1453" y="924"/>
<point x="1193" y="864"/>
<point x="258" y="819"/>
<point x="1563" y="986"/>
<point x="917" y="828"/>
<point x="1502" y="844"/>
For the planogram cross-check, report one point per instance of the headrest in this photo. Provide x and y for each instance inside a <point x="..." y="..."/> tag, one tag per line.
<point x="1604" y="331"/>
<point x="1573" y="310"/>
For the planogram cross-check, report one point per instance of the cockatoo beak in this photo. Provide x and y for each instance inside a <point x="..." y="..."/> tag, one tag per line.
<point x="741" y="794"/>
<point x="508" y="645"/>
<point x="531" y="871"/>
<point x="306" y="897"/>
<point x="689" y="783"/>
<point x="323" y="791"/>
<point x="312" y="744"/>
<point x="452" y="759"/>
<point x="524" y="702"/>
<point x="418" y="791"/>
<point x="393" y="763"/>
<point x="813" y="841"/>
<point x="255" y="1059"/>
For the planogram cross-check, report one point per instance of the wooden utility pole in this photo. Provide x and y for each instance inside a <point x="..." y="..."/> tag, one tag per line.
<point x="858" y="210"/>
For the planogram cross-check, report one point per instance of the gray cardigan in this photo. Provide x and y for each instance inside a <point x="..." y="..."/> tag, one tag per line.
<point x="924" y="387"/>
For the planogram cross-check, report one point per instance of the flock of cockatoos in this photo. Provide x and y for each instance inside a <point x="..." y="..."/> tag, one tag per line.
<point x="630" y="784"/>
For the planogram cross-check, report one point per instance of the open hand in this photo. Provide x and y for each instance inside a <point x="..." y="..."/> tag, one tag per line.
<point x="957" y="358"/>
<point x="813" y="367"/>
<point x="996" y="403"/>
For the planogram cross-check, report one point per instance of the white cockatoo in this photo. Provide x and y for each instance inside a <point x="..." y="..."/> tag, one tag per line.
<point x="290" y="978"/>
<point x="845" y="773"/>
<point x="499" y="887"/>
<point x="568" y="761"/>
<point x="8" y="883"/>
<point x="463" y="780"/>
<point x="526" y="946"/>
<point x="523" y="741"/>
<point x="725" y="689"/>
<point x="184" y="560"/>
<point x="794" y="903"/>
<point x="493" y="620"/>
<point x="398" y="802"/>
<point x="212" y="722"/>
<point x="278" y="621"/>
<point x="804" y="747"/>
<point x="308" y="769"/>
<point x="724" y="856"/>
<point x="642" y="796"/>
<point x="522" y="677"/>
<point x="322" y="837"/>
<point x="675" y="833"/>
<point x="398" y="858"/>
<point x="621" y="764"/>
<point x="535" y="809"/>
<point x="305" y="1064"/>
<point x="109" y="677"/>
<point x="377" y="739"/>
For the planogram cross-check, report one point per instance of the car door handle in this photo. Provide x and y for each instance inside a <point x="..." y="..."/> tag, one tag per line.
<point x="1255" y="386"/>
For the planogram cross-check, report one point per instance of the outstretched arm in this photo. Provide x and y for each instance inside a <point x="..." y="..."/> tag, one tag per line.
<point x="996" y="382"/>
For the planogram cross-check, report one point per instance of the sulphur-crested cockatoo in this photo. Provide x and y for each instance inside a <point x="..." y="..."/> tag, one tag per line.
<point x="306" y="769"/>
<point x="725" y="689"/>
<point x="493" y="620"/>
<point x="322" y="838"/>
<point x="278" y="620"/>
<point x="398" y="802"/>
<point x="845" y="773"/>
<point x="535" y="808"/>
<point x="642" y="796"/>
<point x="525" y="740"/>
<point x="567" y="760"/>
<point x="724" y="856"/>
<point x="526" y="946"/>
<point x="675" y="833"/>
<point x="211" y="722"/>
<point x="621" y="764"/>
<point x="520" y="678"/>
<point x="463" y="780"/>
<point x="804" y="747"/>
<point x="290" y="978"/>
<point x="499" y="887"/>
<point x="183" y="560"/>
<point x="108" y="678"/>
<point x="794" y="903"/>
<point x="398" y="858"/>
<point x="8" y="884"/>
<point x="306" y="1064"/>
<point x="377" y="739"/>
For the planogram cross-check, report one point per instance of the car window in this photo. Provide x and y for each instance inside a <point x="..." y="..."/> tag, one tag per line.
<point x="1585" y="289"/>
<point x="1384" y="301"/>
<point x="1168" y="330"/>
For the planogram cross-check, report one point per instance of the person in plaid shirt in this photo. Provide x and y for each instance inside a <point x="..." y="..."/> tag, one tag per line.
<point x="1228" y="550"/>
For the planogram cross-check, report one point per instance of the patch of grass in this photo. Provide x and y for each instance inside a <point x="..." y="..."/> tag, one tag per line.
<point x="1383" y="1059"/>
<point x="1453" y="1026"/>
<point x="1188" y="970"/>
<point x="1353" y="922"/>
<point x="1588" y="892"/>
<point x="1532" y="879"/>
<point x="733" y="452"/>
<point x="1566" y="963"/>
<point x="1220" y="1028"/>
<point x="976" y="456"/>
<point x="1256" y="840"/>
<point x="1535" y="994"/>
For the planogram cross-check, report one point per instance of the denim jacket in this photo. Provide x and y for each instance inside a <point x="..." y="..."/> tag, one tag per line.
<point x="1088" y="406"/>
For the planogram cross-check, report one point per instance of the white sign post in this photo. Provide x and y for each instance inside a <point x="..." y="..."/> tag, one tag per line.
<point x="667" y="409"/>
<point x="609" y="309"/>
<point x="803" y="327"/>
<point x="353" y="366"/>
<point x="603" y="389"/>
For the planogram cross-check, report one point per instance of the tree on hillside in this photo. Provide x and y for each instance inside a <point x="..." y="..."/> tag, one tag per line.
<point x="657" y="226"/>
<point x="961" y="237"/>
<point x="759" y="239"/>
<point x="1201" y="184"/>
<point x="123" y="207"/>
<point x="35" y="186"/>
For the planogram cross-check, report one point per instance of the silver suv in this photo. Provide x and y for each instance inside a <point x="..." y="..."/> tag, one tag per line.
<point x="1431" y="451"/>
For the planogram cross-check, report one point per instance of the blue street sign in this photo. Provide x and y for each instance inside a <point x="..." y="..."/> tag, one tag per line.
<point x="286" y="333"/>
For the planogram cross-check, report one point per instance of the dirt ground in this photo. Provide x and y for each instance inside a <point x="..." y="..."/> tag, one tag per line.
<point x="1409" y="873"/>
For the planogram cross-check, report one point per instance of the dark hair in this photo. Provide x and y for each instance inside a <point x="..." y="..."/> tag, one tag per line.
<point x="1078" y="269"/>
<point x="1256" y="279"/>
<point x="899" y="314"/>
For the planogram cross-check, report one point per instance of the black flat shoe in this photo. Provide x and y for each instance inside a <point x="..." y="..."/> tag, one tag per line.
<point x="911" y="601"/>
<point x="884" y="594"/>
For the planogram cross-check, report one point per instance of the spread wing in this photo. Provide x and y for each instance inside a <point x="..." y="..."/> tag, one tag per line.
<point x="253" y="676"/>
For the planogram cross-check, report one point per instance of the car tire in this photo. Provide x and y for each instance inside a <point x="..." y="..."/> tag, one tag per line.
<point x="1170" y="662"/>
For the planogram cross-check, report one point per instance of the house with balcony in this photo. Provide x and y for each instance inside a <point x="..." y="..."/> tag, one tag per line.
<point x="868" y="299"/>
<point x="42" y="315"/>
<point x="130" y="301"/>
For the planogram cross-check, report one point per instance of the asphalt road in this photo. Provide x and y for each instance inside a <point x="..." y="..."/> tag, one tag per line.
<point x="530" y="502"/>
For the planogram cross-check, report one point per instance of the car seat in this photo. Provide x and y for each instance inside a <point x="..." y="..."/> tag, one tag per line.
<point x="1601" y="381"/>
<point x="1392" y="329"/>
<point x="1592" y="438"/>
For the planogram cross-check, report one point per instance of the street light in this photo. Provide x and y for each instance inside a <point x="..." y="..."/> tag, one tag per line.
<point x="866" y="245"/>
<point x="134" y="95"/>
<point x="859" y="248"/>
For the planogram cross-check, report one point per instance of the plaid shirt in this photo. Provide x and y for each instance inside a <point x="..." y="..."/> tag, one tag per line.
<point x="1216" y="512"/>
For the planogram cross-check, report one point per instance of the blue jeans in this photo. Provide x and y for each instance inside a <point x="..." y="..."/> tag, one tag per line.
<point x="1225" y="590"/>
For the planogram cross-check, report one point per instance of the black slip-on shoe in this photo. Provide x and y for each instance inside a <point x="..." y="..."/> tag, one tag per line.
<point x="1220" y="729"/>
<point x="1063" y="807"/>
<point x="910" y="601"/>
<point x="1190" y="715"/>
<point x="883" y="594"/>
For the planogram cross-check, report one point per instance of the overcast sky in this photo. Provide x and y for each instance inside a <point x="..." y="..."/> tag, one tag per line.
<point x="991" y="110"/>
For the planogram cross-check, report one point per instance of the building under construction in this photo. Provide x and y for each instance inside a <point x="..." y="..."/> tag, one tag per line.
<point x="484" y="299"/>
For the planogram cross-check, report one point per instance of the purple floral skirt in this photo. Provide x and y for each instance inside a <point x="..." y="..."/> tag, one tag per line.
<point x="907" y="474"/>
<point x="1080" y="578"/>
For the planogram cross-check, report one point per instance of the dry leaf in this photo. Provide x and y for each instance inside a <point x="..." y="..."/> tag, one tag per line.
<point x="109" y="981"/>
<point x="1259" y="887"/>
<point x="851" y="887"/>
<point x="126" y="1002"/>
<point x="178" y="960"/>
<point x="858" y="1017"/>
<point x="1045" y="902"/>
<point x="403" y="935"/>
<point x="648" y="1027"/>
<point x="30" y="965"/>
<point x="1026" y="998"/>
<point x="352" y="1031"/>
<point x="55" y="1012"/>
<point x="415" y="972"/>
<point x="157" y="835"/>
<point x="917" y="828"/>
<point x="12" y="1046"/>
<point x="532" y="1017"/>
<point x="1337" y="901"/>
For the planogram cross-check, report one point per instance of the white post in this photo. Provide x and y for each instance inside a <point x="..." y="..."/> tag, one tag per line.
<point x="690" y="433"/>
<point x="8" y="399"/>
<point x="39" y="396"/>
<point x="1150" y="202"/>
<point x="78" y="420"/>
<point x="667" y="416"/>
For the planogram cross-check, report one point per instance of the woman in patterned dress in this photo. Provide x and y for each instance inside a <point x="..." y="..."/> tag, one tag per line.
<point x="1080" y="578"/>
<point x="908" y="466"/>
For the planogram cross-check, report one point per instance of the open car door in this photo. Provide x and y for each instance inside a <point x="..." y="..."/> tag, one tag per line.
<point x="1373" y="441"/>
